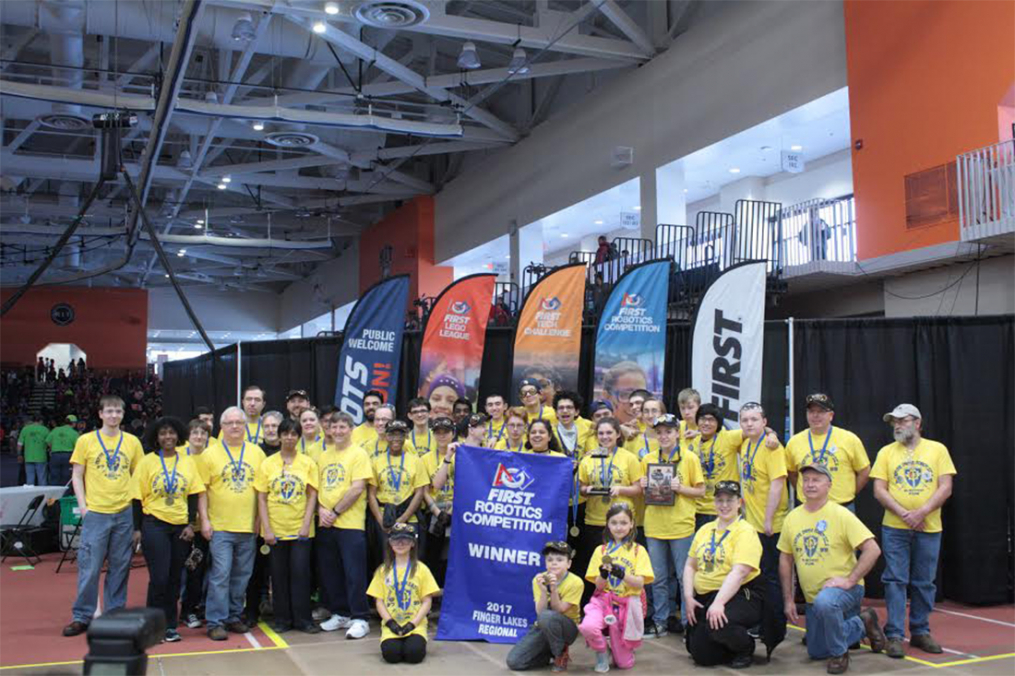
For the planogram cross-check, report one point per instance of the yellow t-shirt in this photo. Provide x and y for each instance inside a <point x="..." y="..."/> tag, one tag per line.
<point x="548" y="453"/>
<point x="506" y="444"/>
<point x="595" y="471"/>
<point x="912" y="478"/>
<point x="254" y="435"/>
<point x="150" y="485"/>
<point x="584" y="442"/>
<point x="569" y="590"/>
<point x="641" y="445"/>
<point x="676" y="521"/>
<point x="286" y="487"/>
<point x="186" y="450"/>
<point x="232" y="500"/>
<point x="338" y="469"/>
<point x="314" y="448"/>
<point x="718" y="459"/>
<point x="379" y="447"/>
<point x="738" y="544"/>
<point x="495" y="431"/>
<point x="632" y="556"/>
<point x="418" y="586"/>
<point x="759" y="467"/>
<point x="844" y="456"/>
<point x="423" y="443"/>
<point x="546" y="413"/>
<point x="107" y="484"/>
<point x="432" y="463"/>
<point x="396" y="480"/>
<point x="823" y="544"/>
<point x="364" y="435"/>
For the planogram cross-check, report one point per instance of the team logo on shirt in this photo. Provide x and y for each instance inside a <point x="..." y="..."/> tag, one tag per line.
<point x="404" y="611"/>
<point x="334" y="475"/>
<point x="288" y="487"/>
<point x="157" y="486"/>
<point x="911" y="476"/>
<point x="114" y="471"/>
<point x="811" y="544"/>
<point x="512" y="477"/>
<point x="238" y="477"/>
<point x="460" y="308"/>
<point x="551" y="304"/>
<point x="831" y="460"/>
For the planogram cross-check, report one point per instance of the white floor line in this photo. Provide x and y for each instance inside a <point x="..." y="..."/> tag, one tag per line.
<point x="489" y="658"/>
<point x="974" y="617"/>
<point x="253" y="641"/>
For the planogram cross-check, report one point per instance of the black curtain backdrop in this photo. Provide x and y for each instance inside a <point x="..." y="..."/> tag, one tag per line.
<point x="960" y="373"/>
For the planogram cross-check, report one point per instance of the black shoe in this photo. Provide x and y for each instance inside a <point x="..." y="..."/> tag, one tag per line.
<point x="280" y="628"/>
<point x="742" y="661"/>
<point x="75" y="628"/>
<point x="309" y="629"/>
<point x="674" y="625"/>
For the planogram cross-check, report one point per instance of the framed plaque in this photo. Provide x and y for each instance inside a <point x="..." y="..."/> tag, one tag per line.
<point x="659" y="492"/>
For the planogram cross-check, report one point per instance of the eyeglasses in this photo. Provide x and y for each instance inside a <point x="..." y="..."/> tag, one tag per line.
<point x="418" y="411"/>
<point x="528" y="392"/>
<point x="233" y="422"/>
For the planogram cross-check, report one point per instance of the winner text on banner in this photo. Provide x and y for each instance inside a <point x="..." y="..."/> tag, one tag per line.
<point x="506" y="507"/>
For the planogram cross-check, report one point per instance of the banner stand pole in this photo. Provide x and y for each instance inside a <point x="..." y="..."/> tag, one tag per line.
<point x="239" y="373"/>
<point x="792" y="384"/>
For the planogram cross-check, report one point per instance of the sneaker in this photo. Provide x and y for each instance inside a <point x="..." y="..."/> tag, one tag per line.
<point x="925" y="643"/>
<point x="602" y="663"/>
<point x="309" y="629"/>
<point x="320" y="614"/>
<point x="873" y="627"/>
<point x="357" y="629"/>
<point x="218" y="633"/>
<point x="755" y="632"/>
<point x="237" y="627"/>
<point x="654" y="631"/>
<point x="895" y="648"/>
<point x="838" y="665"/>
<point x="674" y="625"/>
<point x="172" y="636"/>
<point x="742" y="661"/>
<point x="560" y="662"/>
<point x="193" y="621"/>
<point x="335" y="622"/>
<point x="75" y="628"/>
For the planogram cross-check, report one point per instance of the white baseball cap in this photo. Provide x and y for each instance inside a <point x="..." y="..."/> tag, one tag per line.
<point x="901" y="411"/>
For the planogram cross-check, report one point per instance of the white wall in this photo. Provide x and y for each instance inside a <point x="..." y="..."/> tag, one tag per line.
<point x="337" y="283"/>
<point x="828" y="177"/>
<point x="217" y="310"/>
<point x="996" y="290"/>
<point x="777" y="54"/>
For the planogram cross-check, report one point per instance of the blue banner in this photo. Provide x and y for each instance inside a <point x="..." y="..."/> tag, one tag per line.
<point x="631" y="337"/>
<point x="372" y="345"/>
<point x="507" y="506"/>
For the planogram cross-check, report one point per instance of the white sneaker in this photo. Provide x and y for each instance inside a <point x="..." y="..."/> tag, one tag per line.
<point x="335" y="622"/>
<point x="358" y="629"/>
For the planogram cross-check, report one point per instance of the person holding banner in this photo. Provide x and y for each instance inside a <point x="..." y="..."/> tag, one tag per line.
<point x="670" y="528"/>
<point x="440" y="468"/>
<point x="516" y="424"/>
<point x="619" y="568"/>
<point x="557" y="593"/>
<point x="528" y="391"/>
<point x="396" y="489"/>
<point x="366" y="433"/>
<point x="574" y="434"/>
<point x="495" y="408"/>
<point x="286" y="485"/>
<point x="403" y="589"/>
<point x="421" y="435"/>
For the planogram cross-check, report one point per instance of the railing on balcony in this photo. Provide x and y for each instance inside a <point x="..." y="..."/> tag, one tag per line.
<point x="818" y="230"/>
<point x="986" y="180"/>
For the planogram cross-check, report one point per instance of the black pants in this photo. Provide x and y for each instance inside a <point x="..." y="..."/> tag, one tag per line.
<point x="773" y="621"/>
<point x="411" y="649"/>
<point x="257" y="586"/>
<point x="164" y="552"/>
<point x="290" y="583"/>
<point x="710" y="647"/>
<point x="589" y="538"/>
<point x="702" y="519"/>
<point x="193" y="590"/>
<point x="342" y="561"/>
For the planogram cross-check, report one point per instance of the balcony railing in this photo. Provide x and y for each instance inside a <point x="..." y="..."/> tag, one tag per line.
<point x="818" y="231"/>
<point x="986" y="180"/>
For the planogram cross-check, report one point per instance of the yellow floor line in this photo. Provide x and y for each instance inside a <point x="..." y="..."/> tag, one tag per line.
<point x="199" y="652"/>
<point x="975" y="660"/>
<point x="866" y="647"/>
<point x="270" y="633"/>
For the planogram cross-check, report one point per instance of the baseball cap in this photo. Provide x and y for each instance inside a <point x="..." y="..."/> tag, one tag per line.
<point x="600" y="404"/>
<point x="402" y="531"/>
<point x="530" y="382"/>
<point x="477" y="419"/>
<point x="668" y="420"/>
<point x="822" y="400"/>
<point x="817" y="467"/>
<point x="901" y="411"/>
<point x="296" y="393"/>
<point x="728" y="487"/>
<point x="398" y="426"/>
<point x="558" y="547"/>
<point x="72" y="418"/>
<point x="442" y="423"/>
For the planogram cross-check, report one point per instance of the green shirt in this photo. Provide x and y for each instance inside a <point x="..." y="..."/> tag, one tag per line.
<point x="62" y="439"/>
<point x="33" y="437"/>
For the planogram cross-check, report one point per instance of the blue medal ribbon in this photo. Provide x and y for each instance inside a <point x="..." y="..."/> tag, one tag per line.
<point x="610" y="548"/>
<point x="810" y="441"/>
<point x="396" y="483"/>
<point x="427" y="440"/>
<point x="709" y="465"/>
<point x="646" y="448"/>
<point x="715" y="545"/>
<point x="606" y="478"/>
<point x="401" y="591"/>
<point x="748" y="467"/>
<point x="111" y="460"/>
<point x="303" y="444"/>
<point x="257" y="434"/>
<point x="500" y="433"/>
<point x="167" y="481"/>
<point x="236" y="464"/>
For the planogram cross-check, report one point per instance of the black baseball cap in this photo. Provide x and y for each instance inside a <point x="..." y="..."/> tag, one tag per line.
<point x="728" y="487"/>
<point x="398" y="426"/>
<point x="297" y="393"/>
<point x="402" y="531"/>
<point x="600" y="404"/>
<point x="530" y="382"/>
<point x="442" y="423"/>
<point x="818" y="399"/>
<point x="667" y="420"/>
<point x="558" y="547"/>
<point x="477" y="419"/>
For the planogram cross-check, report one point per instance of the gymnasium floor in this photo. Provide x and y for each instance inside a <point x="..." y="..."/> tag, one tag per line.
<point x="35" y="604"/>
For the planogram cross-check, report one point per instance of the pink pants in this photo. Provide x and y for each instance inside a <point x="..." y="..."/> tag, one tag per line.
<point x="592" y="627"/>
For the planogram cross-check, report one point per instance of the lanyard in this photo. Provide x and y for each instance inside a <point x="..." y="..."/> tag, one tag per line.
<point x="709" y="465"/>
<point x="810" y="440"/>
<point x="169" y="482"/>
<point x="560" y="435"/>
<point x="645" y="449"/>
<point x="489" y="431"/>
<point x="257" y="434"/>
<point x="397" y="484"/>
<point x="748" y="469"/>
<point x="427" y="440"/>
<point x="715" y="545"/>
<point x="111" y="460"/>
<point x="237" y="464"/>
<point x="521" y="445"/>
<point x="188" y="449"/>
<point x="676" y="450"/>
<point x="606" y="478"/>
<point x="401" y="592"/>
<point x="303" y="444"/>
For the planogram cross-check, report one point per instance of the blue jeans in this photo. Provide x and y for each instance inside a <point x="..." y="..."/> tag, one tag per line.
<point x="833" y="622"/>
<point x="667" y="555"/>
<point x="342" y="565"/>
<point x="35" y="474"/>
<point x="232" y="561"/>
<point x="59" y="468"/>
<point x="910" y="561"/>
<point x="104" y="537"/>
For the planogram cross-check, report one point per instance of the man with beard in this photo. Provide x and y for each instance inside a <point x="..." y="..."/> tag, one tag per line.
<point x="912" y="479"/>
<point x="365" y="435"/>
<point x="296" y="402"/>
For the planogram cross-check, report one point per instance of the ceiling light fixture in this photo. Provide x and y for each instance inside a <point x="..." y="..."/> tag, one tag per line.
<point x="222" y="186"/>
<point x="796" y="148"/>
<point x="519" y="63"/>
<point x="564" y="234"/>
<point x="320" y="27"/>
<point x="198" y="226"/>
<point x="469" y="58"/>
<point x="200" y="221"/>
<point x="331" y="8"/>
<point x="227" y="179"/>
<point x="243" y="29"/>
<point x="257" y="125"/>
<point x="734" y="170"/>
<point x="184" y="161"/>
<point x="599" y="222"/>
<point x="637" y="207"/>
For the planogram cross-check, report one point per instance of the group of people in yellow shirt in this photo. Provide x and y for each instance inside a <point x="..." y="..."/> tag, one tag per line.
<point x="378" y="496"/>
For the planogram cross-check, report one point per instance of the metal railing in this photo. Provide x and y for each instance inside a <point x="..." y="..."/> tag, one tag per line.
<point x="986" y="179"/>
<point x="819" y="230"/>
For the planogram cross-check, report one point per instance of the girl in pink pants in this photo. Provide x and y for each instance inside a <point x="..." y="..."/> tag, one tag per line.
<point x="620" y="569"/>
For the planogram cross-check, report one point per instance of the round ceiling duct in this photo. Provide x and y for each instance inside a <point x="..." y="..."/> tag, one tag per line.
<point x="291" y="139"/>
<point x="63" y="121"/>
<point x="392" y="13"/>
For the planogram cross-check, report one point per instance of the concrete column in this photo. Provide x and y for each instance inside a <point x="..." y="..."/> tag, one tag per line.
<point x="649" y="217"/>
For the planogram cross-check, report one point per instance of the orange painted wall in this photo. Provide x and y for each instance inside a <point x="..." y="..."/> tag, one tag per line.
<point x="410" y="232"/>
<point x="925" y="81"/>
<point x="110" y="325"/>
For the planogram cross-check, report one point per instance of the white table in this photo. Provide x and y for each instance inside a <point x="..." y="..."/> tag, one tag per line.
<point x="14" y="500"/>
